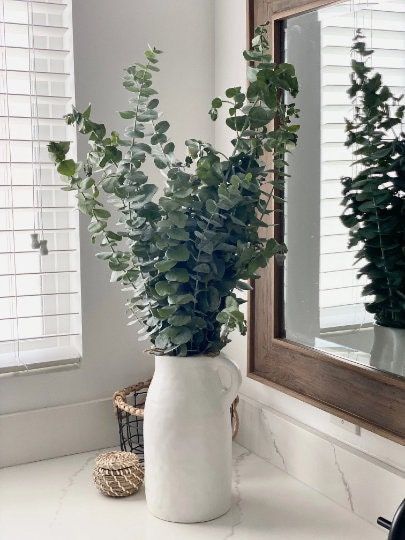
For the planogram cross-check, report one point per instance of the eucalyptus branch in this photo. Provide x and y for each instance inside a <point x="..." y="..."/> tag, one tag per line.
<point x="190" y="250"/>
<point x="374" y="198"/>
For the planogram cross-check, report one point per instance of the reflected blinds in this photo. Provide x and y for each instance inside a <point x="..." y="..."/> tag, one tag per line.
<point x="39" y="295"/>
<point x="341" y="302"/>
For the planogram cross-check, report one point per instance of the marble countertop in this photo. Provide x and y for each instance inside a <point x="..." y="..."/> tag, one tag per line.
<point x="56" y="500"/>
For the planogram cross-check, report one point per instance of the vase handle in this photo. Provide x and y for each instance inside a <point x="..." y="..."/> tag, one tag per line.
<point x="236" y="377"/>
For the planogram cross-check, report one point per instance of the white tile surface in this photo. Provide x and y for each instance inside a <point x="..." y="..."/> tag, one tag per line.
<point x="56" y="499"/>
<point x="360" y="483"/>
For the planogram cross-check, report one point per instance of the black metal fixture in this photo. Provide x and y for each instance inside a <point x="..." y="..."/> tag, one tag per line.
<point x="397" y="525"/>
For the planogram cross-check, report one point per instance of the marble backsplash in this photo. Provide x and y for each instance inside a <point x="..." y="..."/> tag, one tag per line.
<point x="355" y="480"/>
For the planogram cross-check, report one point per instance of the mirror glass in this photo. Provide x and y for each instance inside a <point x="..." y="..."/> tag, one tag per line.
<point x="324" y="301"/>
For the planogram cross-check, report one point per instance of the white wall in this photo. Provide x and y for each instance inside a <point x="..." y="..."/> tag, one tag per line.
<point x="108" y="37"/>
<point x="229" y="66"/>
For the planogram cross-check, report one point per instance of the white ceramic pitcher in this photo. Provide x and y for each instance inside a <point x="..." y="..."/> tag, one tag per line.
<point x="388" y="351"/>
<point x="188" y="438"/>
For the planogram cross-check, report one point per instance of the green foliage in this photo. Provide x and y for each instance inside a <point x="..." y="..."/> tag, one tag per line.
<point x="182" y="257"/>
<point x="375" y="197"/>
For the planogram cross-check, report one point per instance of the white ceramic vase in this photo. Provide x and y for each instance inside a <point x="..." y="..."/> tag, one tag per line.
<point x="388" y="351"/>
<point x="188" y="437"/>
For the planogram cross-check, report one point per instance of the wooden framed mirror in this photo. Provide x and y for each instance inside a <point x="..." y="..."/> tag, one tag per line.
<point x="309" y="332"/>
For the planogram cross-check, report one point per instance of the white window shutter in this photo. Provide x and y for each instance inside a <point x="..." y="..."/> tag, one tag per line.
<point x="39" y="294"/>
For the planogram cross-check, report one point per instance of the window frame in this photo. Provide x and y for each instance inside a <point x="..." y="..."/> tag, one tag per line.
<point x="335" y="385"/>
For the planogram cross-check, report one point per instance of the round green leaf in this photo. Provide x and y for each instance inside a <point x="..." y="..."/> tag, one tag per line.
<point x="203" y="268"/>
<point x="259" y="116"/>
<point x="153" y="103"/>
<point x="127" y="115"/>
<point x="160" y="163"/>
<point x="164" y="288"/>
<point x="182" y="335"/>
<point x="178" y="253"/>
<point x="181" y="299"/>
<point x="178" y="234"/>
<point x="166" y="311"/>
<point x="158" y="138"/>
<point x="162" y="127"/>
<point x="164" y="265"/>
<point x="179" y="320"/>
<point x="101" y="213"/>
<point x="211" y="206"/>
<point x="169" y="148"/>
<point x="67" y="167"/>
<point x="178" y="274"/>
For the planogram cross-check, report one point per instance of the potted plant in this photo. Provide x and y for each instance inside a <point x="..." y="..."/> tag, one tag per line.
<point x="374" y="201"/>
<point x="181" y="255"/>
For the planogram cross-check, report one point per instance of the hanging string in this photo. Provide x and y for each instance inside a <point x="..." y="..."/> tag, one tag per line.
<point x="36" y="155"/>
<point x="34" y="236"/>
<point x="16" y="338"/>
<point x="367" y="30"/>
<point x="354" y="10"/>
<point x="371" y="33"/>
<point x="35" y="129"/>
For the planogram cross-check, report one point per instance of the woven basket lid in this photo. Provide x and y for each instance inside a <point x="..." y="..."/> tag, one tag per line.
<point x="115" y="461"/>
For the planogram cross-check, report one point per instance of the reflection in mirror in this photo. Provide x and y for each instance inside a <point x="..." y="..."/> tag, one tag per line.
<point x="325" y="305"/>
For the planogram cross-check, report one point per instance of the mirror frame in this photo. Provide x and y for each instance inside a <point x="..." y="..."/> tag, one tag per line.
<point x="372" y="399"/>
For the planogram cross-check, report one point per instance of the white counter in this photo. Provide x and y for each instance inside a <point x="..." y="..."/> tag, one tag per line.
<point x="56" y="500"/>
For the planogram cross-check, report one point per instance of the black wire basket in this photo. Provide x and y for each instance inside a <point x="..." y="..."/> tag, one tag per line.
<point x="129" y="404"/>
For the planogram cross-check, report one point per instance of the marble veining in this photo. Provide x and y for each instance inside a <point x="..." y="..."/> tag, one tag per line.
<point x="344" y="479"/>
<point x="271" y="436"/>
<point x="70" y="483"/>
<point x="56" y="499"/>
<point x="237" y="509"/>
<point x="361" y="484"/>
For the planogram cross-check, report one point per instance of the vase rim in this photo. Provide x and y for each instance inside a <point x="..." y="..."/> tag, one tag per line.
<point x="190" y="355"/>
<point x="188" y="358"/>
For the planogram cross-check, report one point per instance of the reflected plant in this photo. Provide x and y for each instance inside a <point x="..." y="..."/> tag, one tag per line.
<point x="375" y="197"/>
<point x="181" y="256"/>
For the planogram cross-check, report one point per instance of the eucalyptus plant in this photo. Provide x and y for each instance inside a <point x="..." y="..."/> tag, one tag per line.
<point x="183" y="254"/>
<point x="375" y="197"/>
